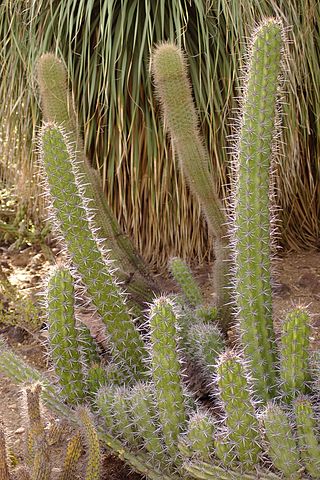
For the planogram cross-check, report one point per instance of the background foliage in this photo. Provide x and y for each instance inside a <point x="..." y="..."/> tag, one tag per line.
<point x="106" y="48"/>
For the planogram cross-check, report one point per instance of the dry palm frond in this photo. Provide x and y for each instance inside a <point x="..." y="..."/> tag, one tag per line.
<point x="106" y="47"/>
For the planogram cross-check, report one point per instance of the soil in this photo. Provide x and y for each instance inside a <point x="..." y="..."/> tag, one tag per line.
<point x="298" y="283"/>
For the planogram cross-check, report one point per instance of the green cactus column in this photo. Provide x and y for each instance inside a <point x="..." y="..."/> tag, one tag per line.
<point x="166" y="372"/>
<point x="95" y="270"/>
<point x="294" y="354"/>
<point x="173" y="88"/>
<point x="251" y="229"/>
<point x="63" y="336"/>
<point x="241" y="421"/>
<point x="307" y="426"/>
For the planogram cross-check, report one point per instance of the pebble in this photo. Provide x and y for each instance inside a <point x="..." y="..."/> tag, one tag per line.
<point x="19" y="430"/>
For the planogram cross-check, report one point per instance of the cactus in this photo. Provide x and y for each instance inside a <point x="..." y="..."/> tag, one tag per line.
<point x="36" y="427"/>
<point x="4" y="468"/>
<point x="95" y="270"/>
<point x="251" y="230"/>
<point x="63" y="336"/>
<point x="153" y="422"/>
<point x="89" y="348"/>
<point x="307" y="437"/>
<point x="92" y="443"/>
<point x="205" y="343"/>
<point x="183" y="276"/>
<point x="174" y="90"/>
<point x="58" y="107"/>
<point x="143" y="411"/>
<point x="72" y="456"/>
<point x="281" y="444"/>
<point x="199" y="435"/>
<point x="294" y="354"/>
<point x="241" y="419"/>
<point x="166" y="372"/>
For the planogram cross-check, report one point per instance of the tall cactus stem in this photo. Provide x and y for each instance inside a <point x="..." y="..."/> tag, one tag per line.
<point x="309" y="445"/>
<point x="281" y="444"/>
<point x="174" y="90"/>
<point x="166" y="372"/>
<point x="251" y="230"/>
<point x="41" y="469"/>
<point x="241" y="420"/>
<point x="94" y="269"/>
<point x="294" y="354"/>
<point x="63" y="335"/>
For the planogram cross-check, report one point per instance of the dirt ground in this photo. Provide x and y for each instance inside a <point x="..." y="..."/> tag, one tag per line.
<point x="297" y="283"/>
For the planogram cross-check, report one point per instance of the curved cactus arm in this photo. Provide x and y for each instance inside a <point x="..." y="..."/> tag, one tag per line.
<point x="95" y="270"/>
<point x="294" y="354"/>
<point x="166" y="372"/>
<point x="58" y="107"/>
<point x="241" y="420"/>
<point x="174" y="90"/>
<point x="281" y="444"/>
<point x="251" y="223"/>
<point x="63" y="336"/>
<point x="306" y="421"/>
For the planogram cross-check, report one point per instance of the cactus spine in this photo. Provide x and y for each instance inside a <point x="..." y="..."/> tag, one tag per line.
<point x="95" y="270"/>
<point x="251" y="235"/>
<point x="174" y="90"/>
<point x="307" y="438"/>
<point x="294" y="354"/>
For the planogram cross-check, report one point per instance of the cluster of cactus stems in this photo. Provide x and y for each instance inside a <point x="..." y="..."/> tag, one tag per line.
<point x="38" y="460"/>
<point x="259" y="419"/>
